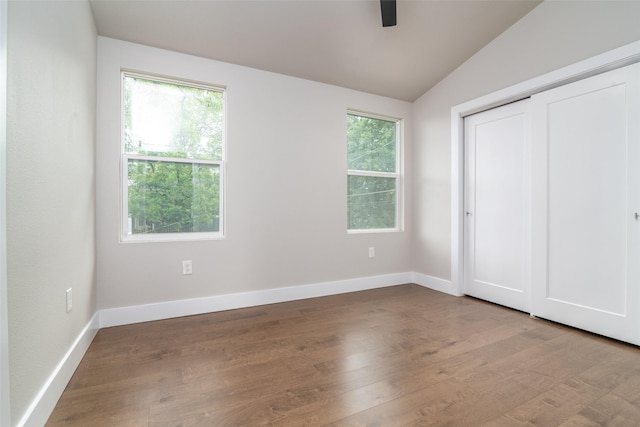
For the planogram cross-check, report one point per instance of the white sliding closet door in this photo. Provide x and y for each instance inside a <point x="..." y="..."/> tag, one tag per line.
<point x="586" y="200"/>
<point x="497" y="205"/>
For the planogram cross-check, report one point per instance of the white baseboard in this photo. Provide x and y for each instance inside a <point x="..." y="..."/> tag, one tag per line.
<point x="40" y="409"/>
<point x="165" y="310"/>
<point x="435" y="283"/>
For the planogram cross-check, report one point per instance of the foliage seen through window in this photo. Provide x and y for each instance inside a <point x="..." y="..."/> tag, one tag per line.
<point x="173" y="150"/>
<point x="372" y="181"/>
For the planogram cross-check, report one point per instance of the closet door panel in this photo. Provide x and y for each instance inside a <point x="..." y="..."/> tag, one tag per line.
<point x="497" y="203"/>
<point x="585" y="153"/>
<point x="588" y="199"/>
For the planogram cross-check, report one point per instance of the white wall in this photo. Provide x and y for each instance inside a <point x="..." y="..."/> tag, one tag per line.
<point x="50" y="187"/>
<point x="555" y="34"/>
<point x="5" y="408"/>
<point x="285" y="188"/>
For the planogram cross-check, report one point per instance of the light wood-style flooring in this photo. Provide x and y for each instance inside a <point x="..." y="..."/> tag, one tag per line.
<point x="398" y="356"/>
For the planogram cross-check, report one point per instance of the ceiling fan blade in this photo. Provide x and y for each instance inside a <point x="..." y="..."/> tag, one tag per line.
<point x="388" y="10"/>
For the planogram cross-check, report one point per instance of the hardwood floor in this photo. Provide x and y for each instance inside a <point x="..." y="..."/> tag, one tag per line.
<point x="399" y="356"/>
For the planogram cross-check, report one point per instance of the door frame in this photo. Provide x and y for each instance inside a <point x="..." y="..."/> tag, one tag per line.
<point x="616" y="58"/>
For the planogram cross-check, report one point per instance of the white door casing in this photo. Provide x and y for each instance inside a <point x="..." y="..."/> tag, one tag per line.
<point x="613" y="59"/>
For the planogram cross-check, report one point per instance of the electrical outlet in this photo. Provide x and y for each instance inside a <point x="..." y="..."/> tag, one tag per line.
<point x="187" y="267"/>
<point x="69" y="300"/>
<point x="372" y="252"/>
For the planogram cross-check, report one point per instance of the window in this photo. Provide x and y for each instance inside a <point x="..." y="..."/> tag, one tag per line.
<point x="172" y="159"/>
<point x="373" y="178"/>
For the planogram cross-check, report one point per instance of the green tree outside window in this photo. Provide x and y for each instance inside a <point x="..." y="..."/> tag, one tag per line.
<point x="372" y="179"/>
<point x="173" y="152"/>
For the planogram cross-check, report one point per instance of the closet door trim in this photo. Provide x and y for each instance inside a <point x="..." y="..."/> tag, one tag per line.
<point x="614" y="59"/>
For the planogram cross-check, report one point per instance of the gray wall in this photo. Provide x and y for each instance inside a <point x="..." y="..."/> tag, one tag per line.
<point x="553" y="35"/>
<point x="286" y="201"/>
<point x="50" y="187"/>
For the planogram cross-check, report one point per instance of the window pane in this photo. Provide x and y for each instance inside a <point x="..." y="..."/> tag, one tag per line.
<point x="371" y="144"/>
<point x="168" y="197"/>
<point x="170" y="120"/>
<point x="371" y="202"/>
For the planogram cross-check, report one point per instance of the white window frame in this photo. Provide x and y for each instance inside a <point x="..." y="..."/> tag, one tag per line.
<point x="398" y="175"/>
<point x="125" y="158"/>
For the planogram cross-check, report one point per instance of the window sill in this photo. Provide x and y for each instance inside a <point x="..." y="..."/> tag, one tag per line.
<point x="375" y="230"/>
<point x="170" y="237"/>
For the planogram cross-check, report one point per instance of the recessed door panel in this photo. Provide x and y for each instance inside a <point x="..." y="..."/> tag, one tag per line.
<point x="586" y="153"/>
<point x="496" y="204"/>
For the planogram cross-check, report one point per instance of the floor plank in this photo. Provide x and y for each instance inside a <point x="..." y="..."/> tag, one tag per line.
<point x="397" y="356"/>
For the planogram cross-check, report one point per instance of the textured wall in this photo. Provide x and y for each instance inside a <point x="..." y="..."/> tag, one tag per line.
<point x="553" y="35"/>
<point x="50" y="187"/>
<point x="285" y="188"/>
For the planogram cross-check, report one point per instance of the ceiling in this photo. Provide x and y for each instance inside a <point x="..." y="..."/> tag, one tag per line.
<point x="339" y="42"/>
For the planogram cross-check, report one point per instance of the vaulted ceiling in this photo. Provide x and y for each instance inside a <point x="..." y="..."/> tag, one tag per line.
<point x="339" y="42"/>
